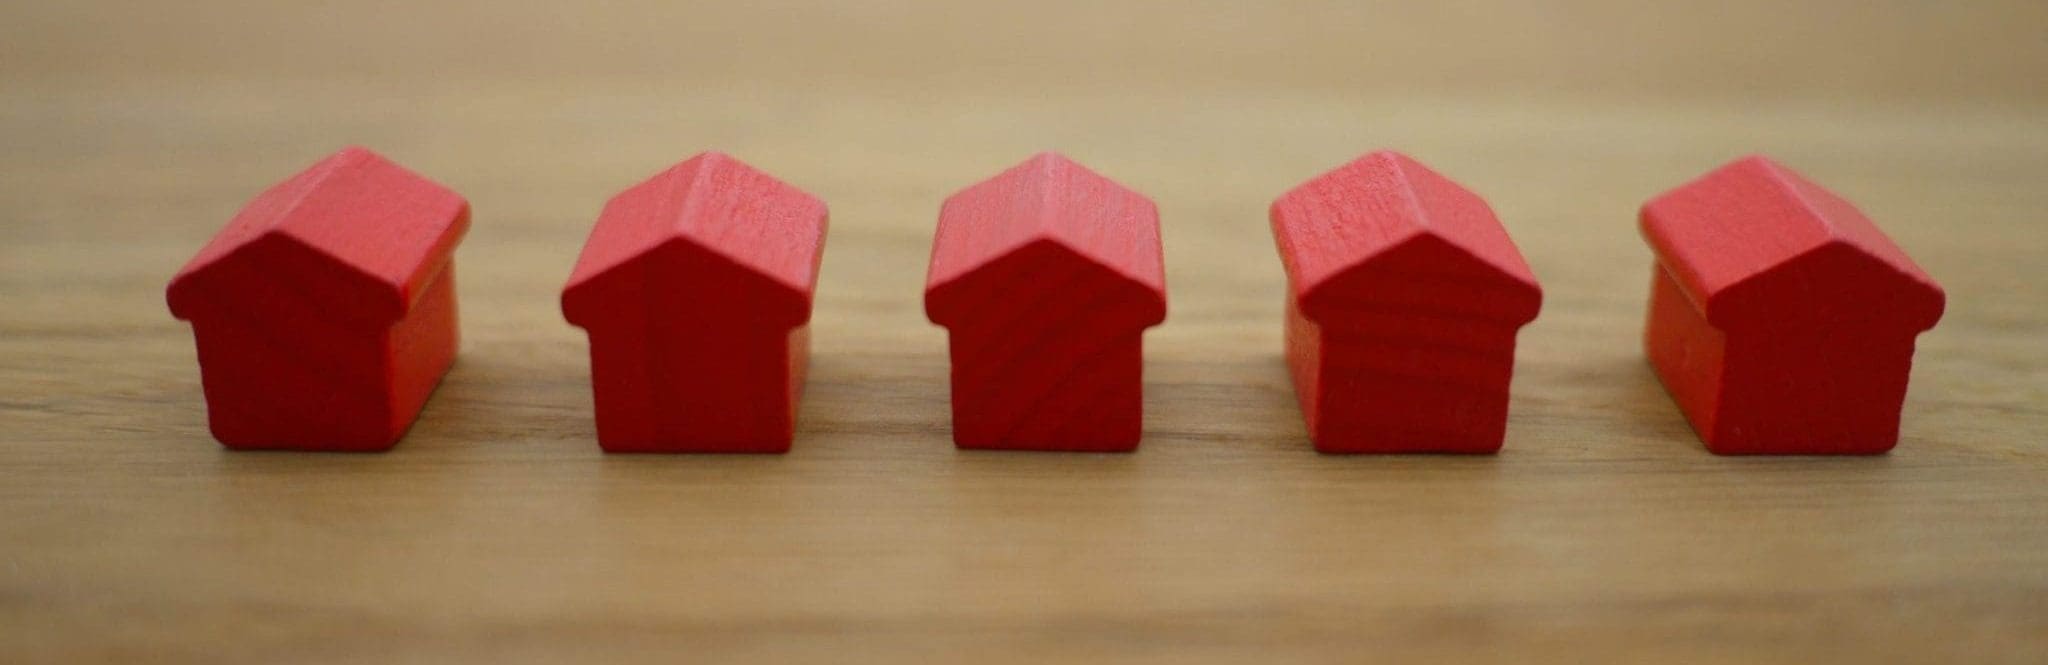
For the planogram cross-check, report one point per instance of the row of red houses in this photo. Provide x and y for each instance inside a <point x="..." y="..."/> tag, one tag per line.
<point x="1781" y="319"/>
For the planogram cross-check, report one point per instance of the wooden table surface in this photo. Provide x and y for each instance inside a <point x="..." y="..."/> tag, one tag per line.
<point x="496" y="532"/>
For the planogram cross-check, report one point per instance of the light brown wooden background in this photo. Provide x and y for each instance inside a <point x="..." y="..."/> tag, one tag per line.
<point x="496" y="532"/>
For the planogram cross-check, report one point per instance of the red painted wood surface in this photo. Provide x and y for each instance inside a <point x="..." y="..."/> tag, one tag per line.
<point x="1046" y="277"/>
<point x="325" y="311"/>
<point x="1404" y="297"/>
<point x="695" y="288"/>
<point x="1781" y="319"/>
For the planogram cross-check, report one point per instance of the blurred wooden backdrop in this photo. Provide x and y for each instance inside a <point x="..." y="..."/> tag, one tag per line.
<point x="129" y="131"/>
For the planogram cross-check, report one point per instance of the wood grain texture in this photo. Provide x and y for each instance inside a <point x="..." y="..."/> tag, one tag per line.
<point x="696" y="288"/>
<point x="1781" y="319"/>
<point x="1403" y="297"/>
<point x="498" y="533"/>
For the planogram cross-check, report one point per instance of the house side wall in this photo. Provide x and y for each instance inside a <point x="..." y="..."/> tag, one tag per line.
<point x="798" y="353"/>
<point x="1686" y="352"/>
<point x="422" y="346"/>
<point x="1304" y="361"/>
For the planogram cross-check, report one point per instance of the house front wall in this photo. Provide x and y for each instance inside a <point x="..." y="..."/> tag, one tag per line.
<point x="1074" y="391"/>
<point x="1812" y="391"/>
<point x="1412" y="382"/>
<point x="298" y="377"/>
<point x="685" y="360"/>
<point x="279" y="371"/>
<point x="674" y="390"/>
<point x="1796" y="385"/>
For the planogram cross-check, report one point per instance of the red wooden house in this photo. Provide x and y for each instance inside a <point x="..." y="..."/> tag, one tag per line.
<point x="325" y="310"/>
<point x="1404" y="297"/>
<point x="695" y="288"/>
<point x="1046" y="277"/>
<point x="1781" y="319"/>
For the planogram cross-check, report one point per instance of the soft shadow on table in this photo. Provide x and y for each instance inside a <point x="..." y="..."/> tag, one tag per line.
<point x="510" y="395"/>
<point x="1235" y="405"/>
<point x="867" y="399"/>
<point x="1649" y="412"/>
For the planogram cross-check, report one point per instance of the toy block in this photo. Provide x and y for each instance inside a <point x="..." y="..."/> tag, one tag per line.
<point x="1046" y="277"/>
<point x="324" y="313"/>
<point x="1404" y="297"/>
<point x="1781" y="320"/>
<point x="695" y="288"/>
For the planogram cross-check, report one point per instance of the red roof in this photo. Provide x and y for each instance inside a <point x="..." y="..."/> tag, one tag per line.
<point x="1047" y="202"/>
<point x="355" y="214"/>
<point x="1387" y="230"/>
<point x="1753" y="239"/>
<point x="719" y="205"/>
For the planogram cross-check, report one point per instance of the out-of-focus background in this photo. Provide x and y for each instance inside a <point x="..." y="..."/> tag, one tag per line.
<point x="1634" y="51"/>
<point x="130" y="131"/>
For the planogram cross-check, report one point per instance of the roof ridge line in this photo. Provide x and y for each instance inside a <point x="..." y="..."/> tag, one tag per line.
<point x="1049" y="168"/>
<point x="683" y="190"/>
<point x="348" y="156"/>
<point x="1786" y="180"/>
<point x="1791" y="181"/>
<point x="353" y="155"/>
<point x="1411" y="193"/>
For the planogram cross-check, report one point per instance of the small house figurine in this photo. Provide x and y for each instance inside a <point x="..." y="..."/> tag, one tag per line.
<point x="695" y="288"/>
<point x="1781" y="319"/>
<point x="1404" y="297"/>
<point x="325" y="310"/>
<point x="1046" y="277"/>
